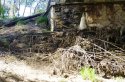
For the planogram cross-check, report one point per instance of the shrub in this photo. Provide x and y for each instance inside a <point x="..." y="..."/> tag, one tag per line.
<point x="41" y="20"/>
<point x="88" y="74"/>
<point x="2" y="11"/>
<point x="4" y="42"/>
<point x="119" y="79"/>
<point x="21" y="22"/>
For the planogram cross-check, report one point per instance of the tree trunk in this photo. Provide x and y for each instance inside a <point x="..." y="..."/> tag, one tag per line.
<point x="25" y="8"/>
<point x="36" y="6"/>
<point x="19" y="8"/>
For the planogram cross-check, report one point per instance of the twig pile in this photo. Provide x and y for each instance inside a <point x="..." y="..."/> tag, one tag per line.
<point x="87" y="53"/>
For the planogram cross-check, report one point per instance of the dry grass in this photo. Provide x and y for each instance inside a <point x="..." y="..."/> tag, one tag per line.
<point x="20" y="29"/>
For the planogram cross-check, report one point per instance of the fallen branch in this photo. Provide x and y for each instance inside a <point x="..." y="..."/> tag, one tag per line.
<point x="111" y="44"/>
<point x="108" y="52"/>
<point x="14" y="22"/>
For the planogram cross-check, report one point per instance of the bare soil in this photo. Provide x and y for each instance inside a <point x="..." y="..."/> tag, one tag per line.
<point x="58" y="56"/>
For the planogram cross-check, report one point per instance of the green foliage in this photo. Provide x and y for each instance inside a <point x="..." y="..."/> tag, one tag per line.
<point x="119" y="79"/>
<point x="16" y="19"/>
<point x="39" y="11"/>
<point x="2" y="11"/>
<point x="63" y="80"/>
<point x="21" y="22"/>
<point x="41" y="19"/>
<point x="4" y="42"/>
<point x="88" y="74"/>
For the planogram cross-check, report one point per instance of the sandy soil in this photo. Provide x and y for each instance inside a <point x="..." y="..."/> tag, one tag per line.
<point x="12" y="70"/>
<point x="15" y="70"/>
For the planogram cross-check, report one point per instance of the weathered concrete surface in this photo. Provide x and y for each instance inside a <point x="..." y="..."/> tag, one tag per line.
<point x="100" y="15"/>
<point x="105" y="15"/>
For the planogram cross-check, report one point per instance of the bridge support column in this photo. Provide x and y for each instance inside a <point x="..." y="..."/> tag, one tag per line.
<point x="52" y="19"/>
<point x="82" y="24"/>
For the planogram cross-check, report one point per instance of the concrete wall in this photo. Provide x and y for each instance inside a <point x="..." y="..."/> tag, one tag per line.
<point x="101" y="16"/>
<point x="106" y="15"/>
